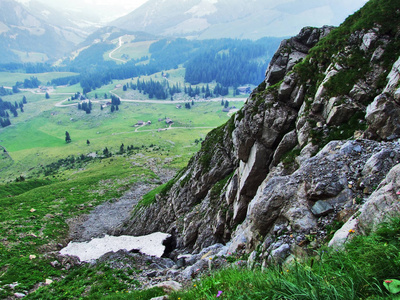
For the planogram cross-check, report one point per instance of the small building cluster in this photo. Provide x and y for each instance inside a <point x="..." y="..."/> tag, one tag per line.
<point x="142" y="123"/>
<point x="168" y="121"/>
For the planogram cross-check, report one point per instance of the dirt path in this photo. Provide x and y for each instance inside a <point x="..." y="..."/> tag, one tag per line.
<point x="105" y="218"/>
<point x="109" y="216"/>
<point x="112" y="52"/>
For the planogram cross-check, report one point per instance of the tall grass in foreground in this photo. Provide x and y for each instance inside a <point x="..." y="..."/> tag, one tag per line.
<point x="356" y="272"/>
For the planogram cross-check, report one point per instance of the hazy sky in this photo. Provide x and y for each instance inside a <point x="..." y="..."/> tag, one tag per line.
<point x="109" y="9"/>
<point x="104" y="11"/>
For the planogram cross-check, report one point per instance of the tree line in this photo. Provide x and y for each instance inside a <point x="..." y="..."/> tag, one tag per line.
<point x="228" y="62"/>
<point x="163" y="90"/>
<point x="7" y="108"/>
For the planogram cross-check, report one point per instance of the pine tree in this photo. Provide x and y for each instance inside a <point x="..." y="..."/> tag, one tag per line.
<point x="87" y="142"/>
<point x="106" y="152"/>
<point x="67" y="137"/>
<point x="47" y="95"/>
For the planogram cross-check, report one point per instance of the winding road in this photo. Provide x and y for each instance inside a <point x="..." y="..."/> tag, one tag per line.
<point x="112" y="52"/>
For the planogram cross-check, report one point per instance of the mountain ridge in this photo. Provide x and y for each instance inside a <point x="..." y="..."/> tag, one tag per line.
<point x="300" y="153"/>
<point x="28" y="32"/>
<point x="216" y="19"/>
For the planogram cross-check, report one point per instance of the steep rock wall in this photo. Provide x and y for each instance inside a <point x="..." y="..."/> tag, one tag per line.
<point x="261" y="180"/>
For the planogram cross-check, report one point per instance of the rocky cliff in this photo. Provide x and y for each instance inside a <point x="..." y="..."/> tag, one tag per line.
<point x="309" y="151"/>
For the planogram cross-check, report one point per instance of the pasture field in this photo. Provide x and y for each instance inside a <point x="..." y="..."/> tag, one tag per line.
<point x="129" y="50"/>
<point x="9" y="79"/>
<point x="37" y="136"/>
<point x="31" y="57"/>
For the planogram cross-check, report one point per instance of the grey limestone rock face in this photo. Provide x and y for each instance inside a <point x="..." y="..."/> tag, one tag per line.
<point x="383" y="204"/>
<point x="237" y="189"/>
<point x="322" y="186"/>
<point x="291" y="51"/>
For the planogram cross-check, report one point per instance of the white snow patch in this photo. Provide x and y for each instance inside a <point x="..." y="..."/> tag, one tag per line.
<point x="151" y="244"/>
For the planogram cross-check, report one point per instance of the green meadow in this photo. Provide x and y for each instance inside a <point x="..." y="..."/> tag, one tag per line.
<point x="9" y="79"/>
<point x="31" y="57"/>
<point x="130" y="50"/>
<point x="37" y="136"/>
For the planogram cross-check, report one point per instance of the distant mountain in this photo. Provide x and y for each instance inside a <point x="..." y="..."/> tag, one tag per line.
<point x="235" y="18"/>
<point x="35" y="33"/>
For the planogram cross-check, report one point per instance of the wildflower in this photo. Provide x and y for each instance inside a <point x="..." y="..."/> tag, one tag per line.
<point x="287" y="271"/>
<point x="351" y="231"/>
<point x="194" y="285"/>
<point x="219" y="294"/>
<point x="398" y="193"/>
<point x="388" y="281"/>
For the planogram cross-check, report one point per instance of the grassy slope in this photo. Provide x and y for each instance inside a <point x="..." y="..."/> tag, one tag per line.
<point x="9" y="79"/>
<point x="134" y="50"/>
<point x="40" y="131"/>
<point x="33" y="216"/>
<point x="36" y="138"/>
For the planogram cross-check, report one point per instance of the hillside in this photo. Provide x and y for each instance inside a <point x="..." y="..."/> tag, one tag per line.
<point x="315" y="145"/>
<point x="210" y="19"/>
<point x="35" y="35"/>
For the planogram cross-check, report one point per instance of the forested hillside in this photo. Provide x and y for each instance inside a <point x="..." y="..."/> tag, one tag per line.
<point x="205" y="61"/>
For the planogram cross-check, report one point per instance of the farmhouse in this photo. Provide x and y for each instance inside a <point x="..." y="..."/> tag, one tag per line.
<point x="244" y="89"/>
<point x="140" y="123"/>
<point x="169" y="121"/>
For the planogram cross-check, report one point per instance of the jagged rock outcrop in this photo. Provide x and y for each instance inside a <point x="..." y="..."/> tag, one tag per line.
<point x="261" y="181"/>
<point x="292" y="51"/>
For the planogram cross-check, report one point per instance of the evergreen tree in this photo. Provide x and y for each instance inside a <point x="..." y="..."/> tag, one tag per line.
<point x="47" y="95"/>
<point x="106" y="153"/>
<point x="226" y="104"/>
<point x="112" y="108"/>
<point x="121" y="148"/>
<point x="67" y="137"/>
<point x="87" y="142"/>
